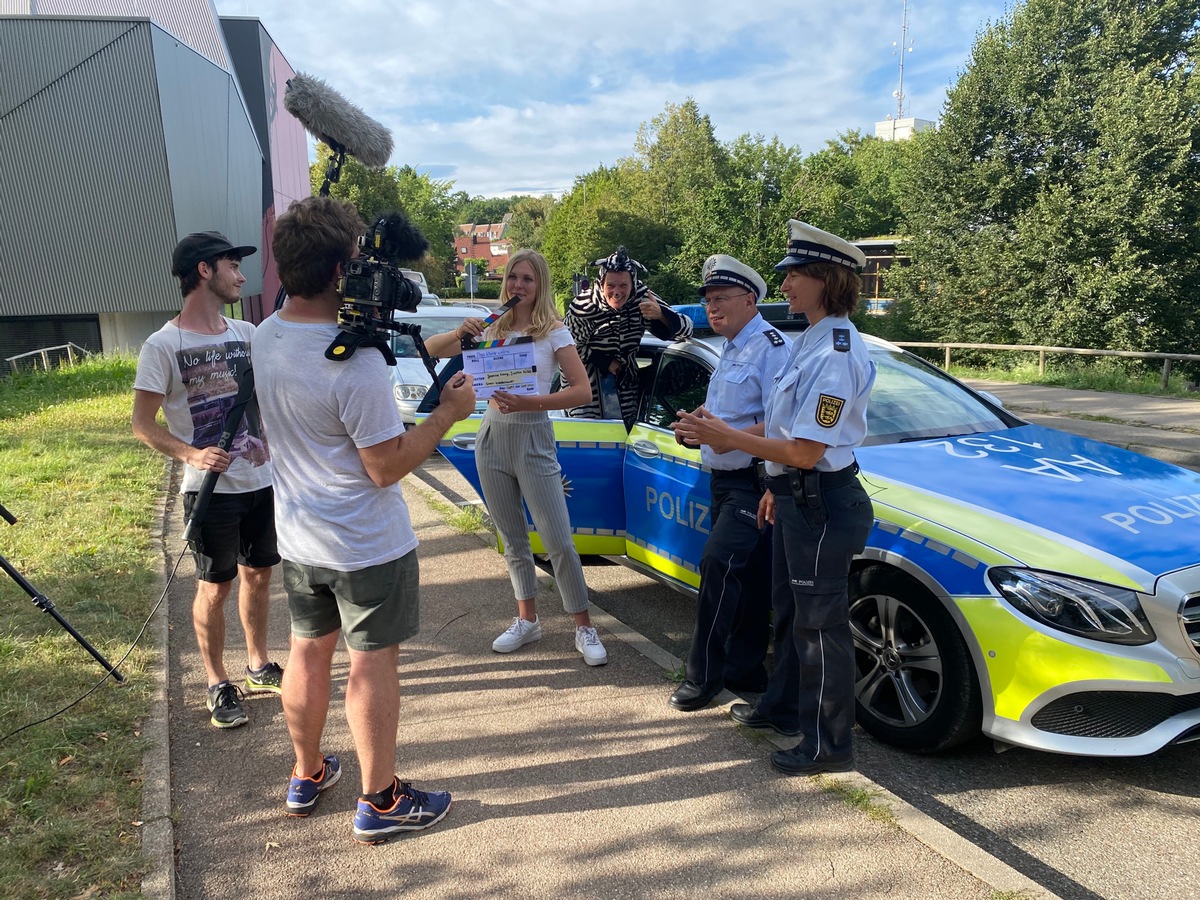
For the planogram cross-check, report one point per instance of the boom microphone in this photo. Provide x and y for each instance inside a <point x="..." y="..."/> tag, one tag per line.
<point x="330" y="117"/>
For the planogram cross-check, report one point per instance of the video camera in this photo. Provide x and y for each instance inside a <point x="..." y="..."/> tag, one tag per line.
<point x="373" y="289"/>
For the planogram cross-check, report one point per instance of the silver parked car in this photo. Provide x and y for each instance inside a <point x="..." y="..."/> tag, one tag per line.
<point x="410" y="378"/>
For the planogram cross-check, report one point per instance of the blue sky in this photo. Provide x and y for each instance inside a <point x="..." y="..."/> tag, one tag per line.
<point x="521" y="96"/>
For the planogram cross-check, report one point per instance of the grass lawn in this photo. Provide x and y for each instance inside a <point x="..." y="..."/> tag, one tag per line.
<point x="1078" y="373"/>
<point x="84" y="492"/>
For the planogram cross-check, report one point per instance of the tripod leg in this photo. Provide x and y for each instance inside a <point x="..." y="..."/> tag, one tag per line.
<point x="46" y="605"/>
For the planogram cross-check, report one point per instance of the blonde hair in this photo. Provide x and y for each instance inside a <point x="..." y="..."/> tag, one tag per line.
<point x="544" y="317"/>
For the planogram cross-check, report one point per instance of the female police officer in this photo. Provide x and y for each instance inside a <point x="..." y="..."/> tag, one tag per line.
<point x="816" y="417"/>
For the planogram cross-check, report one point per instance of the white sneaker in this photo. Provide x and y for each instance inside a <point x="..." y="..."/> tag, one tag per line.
<point x="520" y="633"/>
<point x="588" y="643"/>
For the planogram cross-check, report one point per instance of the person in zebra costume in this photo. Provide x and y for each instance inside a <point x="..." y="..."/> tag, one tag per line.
<point x="608" y="322"/>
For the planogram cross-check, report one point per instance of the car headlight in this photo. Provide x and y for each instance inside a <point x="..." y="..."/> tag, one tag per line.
<point x="409" y="391"/>
<point x="1089" y="609"/>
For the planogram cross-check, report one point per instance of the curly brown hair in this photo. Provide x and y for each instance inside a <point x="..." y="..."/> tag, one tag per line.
<point x="311" y="239"/>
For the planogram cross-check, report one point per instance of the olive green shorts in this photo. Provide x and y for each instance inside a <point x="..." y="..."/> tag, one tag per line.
<point x="375" y="607"/>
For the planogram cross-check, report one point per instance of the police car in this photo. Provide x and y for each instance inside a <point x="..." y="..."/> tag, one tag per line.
<point x="1036" y="586"/>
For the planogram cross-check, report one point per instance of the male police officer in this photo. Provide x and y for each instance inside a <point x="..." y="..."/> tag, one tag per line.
<point x="733" y="610"/>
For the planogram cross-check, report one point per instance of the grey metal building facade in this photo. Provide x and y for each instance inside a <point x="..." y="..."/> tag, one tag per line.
<point x="121" y="136"/>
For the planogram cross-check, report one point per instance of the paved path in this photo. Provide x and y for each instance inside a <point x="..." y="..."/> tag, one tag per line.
<point x="569" y="780"/>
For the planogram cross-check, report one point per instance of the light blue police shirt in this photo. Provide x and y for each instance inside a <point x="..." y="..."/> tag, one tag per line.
<point x="741" y="384"/>
<point x="822" y="393"/>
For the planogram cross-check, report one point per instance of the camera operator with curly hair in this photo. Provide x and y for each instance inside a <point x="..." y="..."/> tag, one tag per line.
<point x="349" y="551"/>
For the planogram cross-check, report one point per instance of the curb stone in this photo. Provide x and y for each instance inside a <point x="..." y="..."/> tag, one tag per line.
<point x="158" y="830"/>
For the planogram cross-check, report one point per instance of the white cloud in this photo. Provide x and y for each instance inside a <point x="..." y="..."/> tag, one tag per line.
<point x="524" y="95"/>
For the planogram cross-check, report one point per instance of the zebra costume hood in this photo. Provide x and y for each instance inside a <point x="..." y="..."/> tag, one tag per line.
<point x="620" y="261"/>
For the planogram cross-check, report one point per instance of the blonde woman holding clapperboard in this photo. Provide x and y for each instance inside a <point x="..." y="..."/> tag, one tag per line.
<point x="515" y="455"/>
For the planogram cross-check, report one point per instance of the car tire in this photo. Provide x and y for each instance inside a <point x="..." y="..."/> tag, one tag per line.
<point x="915" y="685"/>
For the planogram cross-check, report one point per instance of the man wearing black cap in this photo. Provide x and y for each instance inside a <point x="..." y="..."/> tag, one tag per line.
<point x="734" y="606"/>
<point x="191" y="369"/>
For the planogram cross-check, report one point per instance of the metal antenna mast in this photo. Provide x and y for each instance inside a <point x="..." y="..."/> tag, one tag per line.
<point x="905" y="46"/>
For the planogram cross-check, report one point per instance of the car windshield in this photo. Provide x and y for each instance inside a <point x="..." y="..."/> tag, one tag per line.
<point x="912" y="400"/>
<point x="402" y="344"/>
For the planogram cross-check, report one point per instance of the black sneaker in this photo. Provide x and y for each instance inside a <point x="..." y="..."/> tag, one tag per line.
<point x="225" y="704"/>
<point x="268" y="678"/>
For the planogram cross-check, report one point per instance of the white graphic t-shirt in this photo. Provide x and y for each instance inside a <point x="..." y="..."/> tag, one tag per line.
<point x="198" y="376"/>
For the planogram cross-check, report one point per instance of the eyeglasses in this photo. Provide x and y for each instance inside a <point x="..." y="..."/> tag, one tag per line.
<point x="706" y="301"/>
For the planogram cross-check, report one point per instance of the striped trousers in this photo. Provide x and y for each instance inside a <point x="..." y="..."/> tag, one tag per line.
<point x="517" y="463"/>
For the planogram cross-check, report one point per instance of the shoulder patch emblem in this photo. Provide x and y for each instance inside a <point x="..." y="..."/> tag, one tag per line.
<point x="841" y="340"/>
<point x="774" y="337"/>
<point x="829" y="410"/>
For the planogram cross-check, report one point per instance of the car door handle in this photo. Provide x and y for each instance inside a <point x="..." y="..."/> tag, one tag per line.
<point x="646" y="449"/>
<point x="464" y="441"/>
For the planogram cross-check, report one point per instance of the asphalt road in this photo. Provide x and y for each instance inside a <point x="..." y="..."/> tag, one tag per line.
<point x="1082" y="828"/>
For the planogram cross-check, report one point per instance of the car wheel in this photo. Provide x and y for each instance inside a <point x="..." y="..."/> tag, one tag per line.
<point x="914" y="682"/>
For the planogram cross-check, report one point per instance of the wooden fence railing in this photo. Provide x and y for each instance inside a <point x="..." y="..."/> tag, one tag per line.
<point x="1167" y="358"/>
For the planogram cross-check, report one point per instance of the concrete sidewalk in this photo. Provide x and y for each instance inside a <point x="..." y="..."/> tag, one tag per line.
<point x="568" y="780"/>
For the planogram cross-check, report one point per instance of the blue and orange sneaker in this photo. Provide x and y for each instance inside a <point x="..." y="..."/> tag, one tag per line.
<point x="412" y="810"/>
<point x="304" y="789"/>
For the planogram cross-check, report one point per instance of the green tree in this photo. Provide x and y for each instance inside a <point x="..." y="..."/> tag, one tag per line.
<point x="682" y="196"/>
<point x="752" y="203"/>
<point x="852" y="186"/>
<point x="372" y="191"/>
<point x="483" y="265"/>
<point x="529" y="217"/>
<point x="427" y="202"/>
<point x="673" y="178"/>
<point x="486" y="210"/>
<point x="1059" y="201"/>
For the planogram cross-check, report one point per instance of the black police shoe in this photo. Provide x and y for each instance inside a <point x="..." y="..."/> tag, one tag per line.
<point x="791" y="762"/>
<point x="745" y="714"/>
<point x="690" y="696"/>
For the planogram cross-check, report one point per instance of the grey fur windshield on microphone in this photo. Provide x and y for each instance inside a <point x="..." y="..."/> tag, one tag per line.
<point x="330" y="117"/>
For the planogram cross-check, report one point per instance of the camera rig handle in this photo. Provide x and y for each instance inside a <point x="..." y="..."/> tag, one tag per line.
<point x="344" y="345"/>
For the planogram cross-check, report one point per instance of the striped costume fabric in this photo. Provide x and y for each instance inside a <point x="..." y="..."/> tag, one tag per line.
<point x="604" y="334"/>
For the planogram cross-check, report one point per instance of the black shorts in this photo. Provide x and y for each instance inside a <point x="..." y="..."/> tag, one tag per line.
<point x="238" y="530"/>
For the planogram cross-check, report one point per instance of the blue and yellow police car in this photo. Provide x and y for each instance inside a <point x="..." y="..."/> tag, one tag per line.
<point x="1035" y="586"/>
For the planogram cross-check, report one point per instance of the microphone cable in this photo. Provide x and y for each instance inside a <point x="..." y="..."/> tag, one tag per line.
<point x="107" y="675"/>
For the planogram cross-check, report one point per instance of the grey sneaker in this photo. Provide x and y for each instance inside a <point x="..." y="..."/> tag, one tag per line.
<point x="520" y="633"/>
<point x="588" y="643"/>
<point x="268" y="678"/>
<point x="225" y="704"/>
